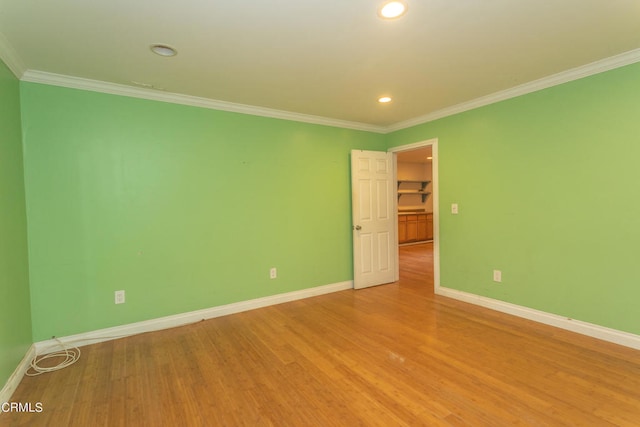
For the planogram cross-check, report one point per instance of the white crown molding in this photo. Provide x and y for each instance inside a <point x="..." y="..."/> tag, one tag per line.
<point x="617" y="61"/>
<point x="93" y="337"/>
<point x="11" y="58"/>
<point x="14" y="63"/>
<point x="589" y="329"/>
<point x="34" y="76"/>
<point x="14" y="380"/>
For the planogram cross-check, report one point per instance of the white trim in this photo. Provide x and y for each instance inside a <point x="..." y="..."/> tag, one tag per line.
<point x="34" y="76"/>
<point x="10" y="57"/>
<point x="394" y="198"/>
<point x="13" y="61"/>
<point x="14" y="380"/>
<point x="589" y="329"/>
<point x="435" y="194"/>
<point x="116" y="332"/>
<point x="435" y="189"/>
<point x="413" y="146"/>
<point x="607" y="64"/>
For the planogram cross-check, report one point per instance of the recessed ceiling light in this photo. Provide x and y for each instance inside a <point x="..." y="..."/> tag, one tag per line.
<point x="392" y="9"/>
<point x="384" y="99"/>
<point x="163" y="50"/>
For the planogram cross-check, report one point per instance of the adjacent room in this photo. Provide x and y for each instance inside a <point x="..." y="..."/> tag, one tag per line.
<point x="319" y="213"/>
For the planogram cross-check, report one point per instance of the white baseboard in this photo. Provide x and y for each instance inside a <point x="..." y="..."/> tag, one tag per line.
<point x="47" y="346"/>
<point x="589" y="329"/>
<point x="15" y="378"/>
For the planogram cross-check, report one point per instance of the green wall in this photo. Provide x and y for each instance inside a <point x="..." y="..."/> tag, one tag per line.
<point x="15" y="311"/>
<point x="184" y="208"/>
<point x="187" y="208"/>
<point x="548" y="187"/>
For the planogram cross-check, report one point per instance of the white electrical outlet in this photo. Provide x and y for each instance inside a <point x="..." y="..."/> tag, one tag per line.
<point x="273" y="273"/>
<point x="497" y="276"/>
<point x="119" y="297"/>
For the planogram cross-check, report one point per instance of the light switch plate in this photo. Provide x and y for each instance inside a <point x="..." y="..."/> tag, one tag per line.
<point x="119" y="297"/>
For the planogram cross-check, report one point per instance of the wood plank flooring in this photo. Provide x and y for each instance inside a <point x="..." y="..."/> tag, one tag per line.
<point x="392" y="355"/>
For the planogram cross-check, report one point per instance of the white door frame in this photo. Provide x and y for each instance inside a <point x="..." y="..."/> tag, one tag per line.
<point x="434" y="193"/>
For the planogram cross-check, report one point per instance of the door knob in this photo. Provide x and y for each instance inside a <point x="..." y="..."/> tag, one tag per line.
<point x="357" y="227"/>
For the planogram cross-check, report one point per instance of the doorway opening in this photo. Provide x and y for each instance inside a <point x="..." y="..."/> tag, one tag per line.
<point x="416" y="170"/>
<point x="415" y="267"/>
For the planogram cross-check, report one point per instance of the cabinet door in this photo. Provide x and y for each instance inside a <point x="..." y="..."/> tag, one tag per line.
<point x="422" y="227"/>
<point x="402" y="229"/>
<point x="412" y="228"/>
<point x="429" y="226"/>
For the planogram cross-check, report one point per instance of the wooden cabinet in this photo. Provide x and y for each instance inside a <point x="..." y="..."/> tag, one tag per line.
<point x="402" y="228"/>
<point x="429" y="235"/>
<point x="416" y="227"/>
<point x="422" y="228"/>
<point x="412" y="228"/>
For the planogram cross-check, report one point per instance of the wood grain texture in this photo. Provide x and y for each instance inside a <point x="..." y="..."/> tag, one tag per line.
<point x="392" y="355"/>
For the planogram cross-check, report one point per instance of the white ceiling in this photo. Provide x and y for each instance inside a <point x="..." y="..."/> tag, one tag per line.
<point x="327" y="58"/>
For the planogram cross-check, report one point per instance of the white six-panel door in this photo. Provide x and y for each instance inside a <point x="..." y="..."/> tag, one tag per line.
<point x="374" y="226"/>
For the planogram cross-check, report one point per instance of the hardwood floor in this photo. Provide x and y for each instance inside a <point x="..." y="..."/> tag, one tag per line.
<point x="392" y="355"/>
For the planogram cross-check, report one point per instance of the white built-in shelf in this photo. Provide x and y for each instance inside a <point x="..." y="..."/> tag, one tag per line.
<point x="420" y="191"/>
<point x="423" y="184"/>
